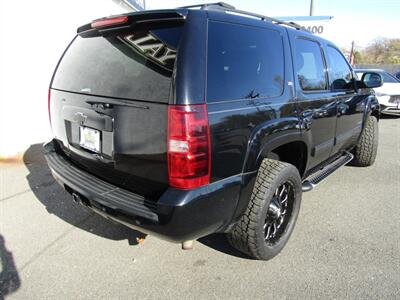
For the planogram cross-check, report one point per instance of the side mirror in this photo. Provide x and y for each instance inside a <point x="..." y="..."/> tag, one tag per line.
<point x="372" y="80"/>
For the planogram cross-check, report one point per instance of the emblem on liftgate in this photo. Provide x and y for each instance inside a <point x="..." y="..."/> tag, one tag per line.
<point x="80" y="118"/>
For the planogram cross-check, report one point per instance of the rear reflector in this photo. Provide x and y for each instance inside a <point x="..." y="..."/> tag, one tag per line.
<point x="189" y="159"/>
<point x="109" y="22"/>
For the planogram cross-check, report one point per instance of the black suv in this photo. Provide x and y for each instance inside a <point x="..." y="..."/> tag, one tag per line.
<point x="196" y="120"/>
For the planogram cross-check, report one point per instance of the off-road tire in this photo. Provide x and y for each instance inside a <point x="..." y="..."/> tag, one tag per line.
<point x="367" y="147"/>
<point x="248" y="235"/>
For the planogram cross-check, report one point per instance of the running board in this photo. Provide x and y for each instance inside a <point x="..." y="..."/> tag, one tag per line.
<point x="315" y="178"/>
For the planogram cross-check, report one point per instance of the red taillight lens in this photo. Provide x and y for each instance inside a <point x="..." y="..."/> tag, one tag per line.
<point x="189" y="158"/>
<point x="49" y="104"/>
<point x="109" y="22"/>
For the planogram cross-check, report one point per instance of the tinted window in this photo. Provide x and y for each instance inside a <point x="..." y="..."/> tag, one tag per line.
<point x="388" y="78"/>
<point x="341" y="77"/>
<point x="310" y="66"/>
<point x="243" y="62"/>
<point x="137" y="66"/>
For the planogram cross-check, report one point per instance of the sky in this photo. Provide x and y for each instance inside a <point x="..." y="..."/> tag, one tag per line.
<point x="361" y="21"/>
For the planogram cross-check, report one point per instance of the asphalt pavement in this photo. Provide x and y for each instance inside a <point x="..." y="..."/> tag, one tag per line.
<point x="346" y="243"/>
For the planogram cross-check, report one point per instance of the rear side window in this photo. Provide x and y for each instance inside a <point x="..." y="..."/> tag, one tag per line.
<point x="310" y="67"/>
<point x="243" y="62"/>
<point x="134" y="66"/>
<point x="341" y="76"/>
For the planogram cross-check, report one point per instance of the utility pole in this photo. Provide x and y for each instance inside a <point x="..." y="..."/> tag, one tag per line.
<point x="312" y="8"/>
<point x="352" y="58"/>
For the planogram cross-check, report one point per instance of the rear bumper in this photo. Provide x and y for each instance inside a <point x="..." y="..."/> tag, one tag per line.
<point x="178" y="215"/>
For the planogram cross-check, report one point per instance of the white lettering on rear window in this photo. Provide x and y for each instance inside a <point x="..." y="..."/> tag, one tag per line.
<point x="152" y="47"/>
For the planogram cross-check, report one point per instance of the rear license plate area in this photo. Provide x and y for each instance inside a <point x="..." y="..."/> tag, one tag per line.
<point x="90" y="139"/>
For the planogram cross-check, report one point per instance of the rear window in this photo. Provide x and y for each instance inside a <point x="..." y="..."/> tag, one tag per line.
<point x="243" y="62"/>
<point x="136" y="66"/>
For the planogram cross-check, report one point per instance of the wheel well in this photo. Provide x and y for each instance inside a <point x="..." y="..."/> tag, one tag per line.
<point x="294" y="153"/>
<point x="375" y="113"/>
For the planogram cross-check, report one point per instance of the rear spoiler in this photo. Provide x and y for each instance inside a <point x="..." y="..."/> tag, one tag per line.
<point x="135" y="20"/>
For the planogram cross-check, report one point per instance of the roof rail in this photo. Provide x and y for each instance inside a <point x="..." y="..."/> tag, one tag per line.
<point x="265" y="18"/>
<point x="206" y="5"/>
<point x="229" y="8"/>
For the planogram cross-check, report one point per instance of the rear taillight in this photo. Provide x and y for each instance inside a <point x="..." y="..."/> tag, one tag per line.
<point x="109" y="21"/>
<point x="189" y="158"/>
<point x="48" y="105"/>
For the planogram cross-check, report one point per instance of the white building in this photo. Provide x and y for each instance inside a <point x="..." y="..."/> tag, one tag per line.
<point x="33" y="35"/>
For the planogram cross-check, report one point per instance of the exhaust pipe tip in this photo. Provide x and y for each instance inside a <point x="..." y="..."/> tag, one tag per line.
<point x="76" y="198"/>
<point x="187" y="245"/>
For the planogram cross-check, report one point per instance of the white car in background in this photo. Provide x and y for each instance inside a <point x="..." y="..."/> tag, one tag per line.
<point x="388" y="94"/>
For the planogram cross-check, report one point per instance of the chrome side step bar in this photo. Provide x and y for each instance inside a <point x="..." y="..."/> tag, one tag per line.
<point x="311" y="181"/>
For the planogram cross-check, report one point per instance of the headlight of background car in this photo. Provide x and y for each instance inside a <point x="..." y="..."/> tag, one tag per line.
<point x="382" y="98"/>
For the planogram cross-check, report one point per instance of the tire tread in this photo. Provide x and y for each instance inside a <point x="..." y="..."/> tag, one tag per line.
<point x="366" y="150"/>
<point x="243" y="236"/>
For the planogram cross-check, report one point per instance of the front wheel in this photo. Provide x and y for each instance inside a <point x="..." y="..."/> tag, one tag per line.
<point x="269" y="219"/>
<point x="367" y="147"/>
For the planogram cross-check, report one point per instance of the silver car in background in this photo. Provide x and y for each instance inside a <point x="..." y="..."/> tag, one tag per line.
<point x="388" y="94"/>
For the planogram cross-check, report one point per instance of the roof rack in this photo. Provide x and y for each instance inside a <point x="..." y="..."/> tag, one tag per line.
<point x="229" y="8"/>
<point x="206" y="5"/>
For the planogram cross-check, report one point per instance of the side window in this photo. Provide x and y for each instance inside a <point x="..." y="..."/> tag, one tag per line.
<point x="244" y="62"/>
<point x="341" y="77"/>
<point x="310" y="67"/>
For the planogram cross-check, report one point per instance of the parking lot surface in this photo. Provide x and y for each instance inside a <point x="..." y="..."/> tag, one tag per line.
<point x="346" y="243"/>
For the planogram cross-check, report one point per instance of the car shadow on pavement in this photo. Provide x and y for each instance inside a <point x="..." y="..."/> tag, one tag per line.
<point x="9" y="278"/>
<point x="219" y="242"/>
<point x="389" y="117"/>
<point x="59" y="203"/>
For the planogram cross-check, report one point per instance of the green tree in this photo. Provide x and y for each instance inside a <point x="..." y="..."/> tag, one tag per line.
<point x="381" y="51"/>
